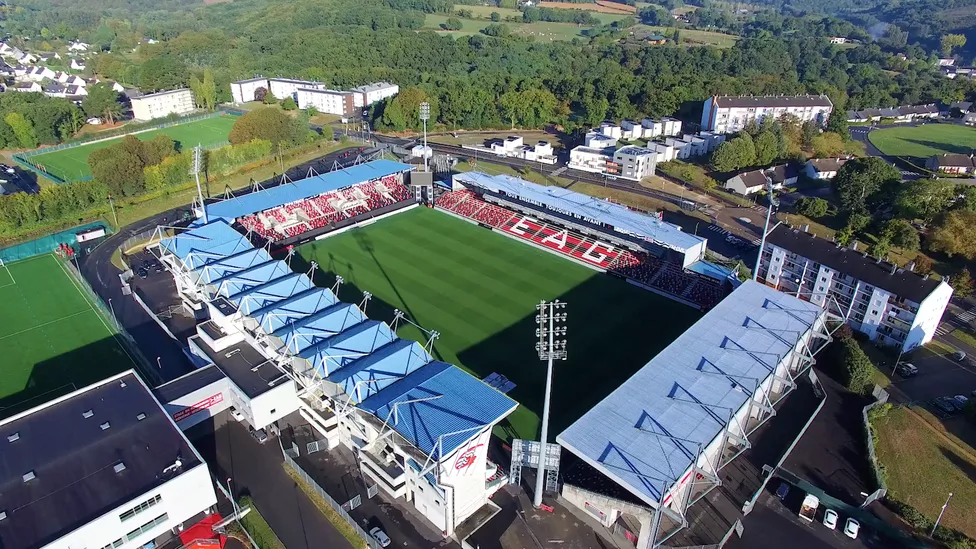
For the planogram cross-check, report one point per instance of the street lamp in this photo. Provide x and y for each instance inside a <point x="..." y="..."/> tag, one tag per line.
<point x="425" y="116"/>
<point x="551" y="324"/>
<point x="944" y="505"/>
<point x="159" y="362"/>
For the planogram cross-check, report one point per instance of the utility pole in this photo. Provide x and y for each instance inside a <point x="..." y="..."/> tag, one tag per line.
<point x="195" y="170"/>
<point x="769" y="212"/>
<point x="550" y="349"/>
<point x="938" y="520"/>
<point x="115" y="215"/>
<point x="425" y="116"/>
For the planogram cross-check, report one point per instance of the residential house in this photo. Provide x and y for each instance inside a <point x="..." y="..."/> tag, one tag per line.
<point x="40" y="73"/>
<point x="48" y="56"/>
<point x="75" y="92"/>
<point x="963" y="106"/>
<point x="79" y="47"/>
<point x="597" y="140"/>
<point x="26" y="87"/>
<point x="753" y="181"/>
<point x="55" y="89"/>
<point x="682" y="148"/>
<point x="656" y="40"/>
<point x="823" y="168"/>
<point x="951" y="163"/>
<point x="947" y="61"/>
<point x="635" y="163"/>
<point x="712" y="140"/>
<point x="838" y="40"/>
<point x="610" y="129"/>
<point x="77" y="64"/>
<point x="507" y="146"/>
<point x="7" y="70"/>
<point x="652" y="128"/>
<point x="729" y="114"/>
<point x="631" y="130"/>
<point x="589" y="159"/>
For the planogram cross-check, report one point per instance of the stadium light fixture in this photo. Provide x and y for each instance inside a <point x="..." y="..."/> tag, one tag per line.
<point x="551" y="320"/>
<point x="425" y="116"/>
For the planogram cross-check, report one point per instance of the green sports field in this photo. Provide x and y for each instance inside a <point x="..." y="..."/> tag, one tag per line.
<point x="924" y="141"/>
<point x="72" y="164"/>
<point x="52" y="338"/>
<point x="479" y="289"/>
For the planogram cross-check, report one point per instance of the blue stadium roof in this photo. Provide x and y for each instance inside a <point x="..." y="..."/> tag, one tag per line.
<point x="437" y="400"/>
<point x="247" y="204"/>
<point x="621" y="218"/>
<point x="362" y="357"/>
<point x="710" y="270"/>
<point x="646" y="434"/>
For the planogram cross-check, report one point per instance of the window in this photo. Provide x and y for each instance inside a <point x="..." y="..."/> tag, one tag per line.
<point x="115" y="544"/>
<point x="151" y="502"/>
<point x="147" y="527"/>
<point x="874" y="312"/>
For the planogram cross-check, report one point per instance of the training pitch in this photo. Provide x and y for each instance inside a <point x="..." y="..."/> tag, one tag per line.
<point x="479" y="290"/>
<point x="72" y="164"/>
<point x="924" y="141"/>
<point x="52" y="338"/>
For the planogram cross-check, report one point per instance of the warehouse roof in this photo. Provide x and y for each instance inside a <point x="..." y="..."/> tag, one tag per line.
<point x="595" y="210"/>
<point x="259" y="201"/>
<point x="74" y="448"/>
<point x="901" y="282"/>
<point x="647" y="433"/>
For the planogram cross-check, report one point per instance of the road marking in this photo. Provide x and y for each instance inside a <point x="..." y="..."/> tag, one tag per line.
<point x="967" y="316"/>
<point x="943" y="329"/>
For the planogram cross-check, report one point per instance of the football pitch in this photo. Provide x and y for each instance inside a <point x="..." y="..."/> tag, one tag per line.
<point x="925" y="140"/>
<point x="479" y="290"/>
<point x="53" y="340"/>
<point x="72" y="164"/>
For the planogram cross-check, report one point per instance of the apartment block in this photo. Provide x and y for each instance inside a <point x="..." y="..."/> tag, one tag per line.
<point x="158" y="105"/>
<point x="730" y="114"/>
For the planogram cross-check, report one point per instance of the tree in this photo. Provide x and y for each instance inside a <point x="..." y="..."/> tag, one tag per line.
<point x="924" y="198"/>
<point x="495" y="16"/>
<point x="951" y="41"/>
<point x="827" y="145"/>
<point x="962" y="283"/>
<point x="859" y="179"/>
<point x="881" y="247"/>
<point x="269" y="124"/>
<point x="837" y="123"/>
<point x="955" y="234"/>
<point x="289" y="104"/>
<point x="767" y="148"/>
<point x="208" y="90"/>
<point x="902" y="234"/>
<point x="23" y="130"/>
<point x="269" y="98"/>
<point x="260" y="94"/>
<point x="499" y="30"/>
<point x="102" y="101"/>
<point x="923" y="265"/>
<point x="312" y="111"/>
<point x="811" y="207"/>
<point x="122" y="173"/>
<point x="453" y="24"/>
<point x="735" y="154"/>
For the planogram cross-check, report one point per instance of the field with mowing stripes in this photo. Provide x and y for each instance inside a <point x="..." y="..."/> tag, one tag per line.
<point x="479" y="290"/>
<point x="52" y="338"/>
<point x="72" y="164"/>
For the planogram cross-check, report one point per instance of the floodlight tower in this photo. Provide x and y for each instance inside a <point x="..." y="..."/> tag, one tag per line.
<point x="551" y="324"/>
<point x="773" y="202"/>
<point x="195" y="170"/>
<point x="425" y="116"/>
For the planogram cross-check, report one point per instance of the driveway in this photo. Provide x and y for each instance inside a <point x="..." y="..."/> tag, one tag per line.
<point x="256" y="470"/>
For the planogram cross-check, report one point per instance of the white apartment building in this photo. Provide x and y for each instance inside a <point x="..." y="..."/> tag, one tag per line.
<point x="286" y="87"/>
<point x="610" y="129"/>
<point x="104" y="466"/>
<point x="326" y="101"/>
<point x="682" y="148"/>
<point x="634" y="162"/>
<point x="371" y="93"/>
<point x="158" y="105"/>
<point x="729" y="114"/>
<point x="589" y="159"/>
<point x="598" y="140"/>
<point x="890" y="304"/>
<point x="243" y="91"/>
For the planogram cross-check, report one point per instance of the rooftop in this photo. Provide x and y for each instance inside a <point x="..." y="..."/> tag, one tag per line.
<point x="902" y="282"/>
<point x="247" y="204"/>
<point x="250" y="80"/>
<point x="246" y="367"/>
<point x="376" y="86"/>
<point x="162" y="93"/>
<point x="647" y="433"/>
<point x="955" y="160"/>
<point x="634" y="150"/>
<point x="750" y="101"/>
<point x="73" y="446"/>
<point x="827" y="164"/>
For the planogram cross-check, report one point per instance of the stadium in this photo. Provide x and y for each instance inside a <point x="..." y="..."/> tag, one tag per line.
<point x="275" y="337"/>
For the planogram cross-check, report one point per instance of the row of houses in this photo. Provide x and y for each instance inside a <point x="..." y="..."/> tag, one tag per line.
<point x="314" y="94"/>
<point x="784" y="175"/>
<point x="513" y="146"/>
<point x="907" y="113"/>
<point x="956" y="164"/>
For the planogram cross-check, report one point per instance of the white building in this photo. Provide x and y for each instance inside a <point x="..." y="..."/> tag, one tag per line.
<point x="632" y="130"/>
<point x="281" y="88"/>
<point x="823" y="168"/>
<point x="160" y="104"/>
<point x="79" y="47"/>
<point x="508" y="146"/>
<point x="327" y="101"/>
<point x="243" y="90"/>
<point x="77" y="64"/>
<point x="754" y="181"/>
<point x="712" y="139"/>
<point x="635" y="163"/>
<point x="729" y="114"/>
<point x="682" y="148"/>
<point x="610" y="129"/>
<point x="589" y="159"/>
<point x="892" y="305"/>
<point x="598" y="140"/>
<point x="104" y="466"/>
<point x="670" y="126"/>
<point x="40" y="73"/>
<point x="371" y="93"/>
<point x="30" y="86"/>
<point x="652" y="128"/>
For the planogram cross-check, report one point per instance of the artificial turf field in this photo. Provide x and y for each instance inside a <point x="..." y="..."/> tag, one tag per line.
<point x="925" y="140"/>
<point x="479" y="290"/>
<point x="52" y="339"/>
<point x="72" y="164"/>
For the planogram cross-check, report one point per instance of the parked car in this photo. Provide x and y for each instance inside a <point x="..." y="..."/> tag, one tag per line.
<point x="380" y="536"/>
<point x="906" y="369"/>
<point x="236" y="414"/>
<point x="851" y="528"/>
<point x="260" y="435"/>
<point x="783" y="490"/>
<point x="830" y="519"/>
<point x="945" y="404"/>
<point x="142" y="272"/>
<point x="959" y="355"/>
<point x="961" y="400"/>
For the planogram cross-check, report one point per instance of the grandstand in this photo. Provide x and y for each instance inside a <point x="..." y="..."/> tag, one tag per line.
<point x="659" y="442"/>
<point x="301" y="210"/>
<point x="613" y="238"/>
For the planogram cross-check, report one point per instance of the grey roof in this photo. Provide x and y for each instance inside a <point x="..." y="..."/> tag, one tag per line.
<point x="246" y="367"/>
<point x="373" y="87"/>
<point x="955" y="160"/>
<point x="827" y="164"/>
<point x="72" y="458"/>
<point x="964" y="106"/>
<point x="186" y="384"/>
<point x="293" y="81"/>
<point x="754" y="178"/>
<point x="249" y="80"/>
<point x="157" y="94"/>
<point x="779" y="174"/>
<point x="647" y="433"/>
<point x="324" y="92"/>
<point x="750" y="101"/>
<point x="902" y="282"/>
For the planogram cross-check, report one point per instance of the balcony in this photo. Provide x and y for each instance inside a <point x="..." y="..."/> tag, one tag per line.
<point x="383" y="465"/>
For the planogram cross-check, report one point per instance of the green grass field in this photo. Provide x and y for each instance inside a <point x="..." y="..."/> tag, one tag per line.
<point x="924" y="141"/>
<point x="479" y="290"/>
<point x="72" y="164"/>
<point x="541" y="30"/>
<point x="52" y="339"/>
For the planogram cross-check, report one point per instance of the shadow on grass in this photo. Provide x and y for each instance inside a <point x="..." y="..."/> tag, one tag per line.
<point x="65" y="373"/>
<point x="940" y="146"/>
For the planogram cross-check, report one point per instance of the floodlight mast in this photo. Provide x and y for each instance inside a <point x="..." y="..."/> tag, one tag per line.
<point x="425" y="116"/>
<point x="773" y="202"/>
<point x="551" y="324"/>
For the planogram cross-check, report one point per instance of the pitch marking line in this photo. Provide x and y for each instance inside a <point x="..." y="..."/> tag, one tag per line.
<point x="44" y="324"/>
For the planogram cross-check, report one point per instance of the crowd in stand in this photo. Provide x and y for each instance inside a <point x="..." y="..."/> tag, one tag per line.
<point x="641" y="267"/>
<point x="299" y="217"/>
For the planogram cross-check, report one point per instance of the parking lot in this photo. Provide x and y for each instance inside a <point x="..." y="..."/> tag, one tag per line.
<point x="939" y="379"/>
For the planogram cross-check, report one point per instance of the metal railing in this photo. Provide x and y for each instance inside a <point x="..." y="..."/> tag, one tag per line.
<point x="126" y="340"/>
<point x="337" y="507"/>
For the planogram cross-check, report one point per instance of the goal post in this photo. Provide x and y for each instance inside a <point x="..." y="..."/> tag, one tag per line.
<point x="4" y="269"/>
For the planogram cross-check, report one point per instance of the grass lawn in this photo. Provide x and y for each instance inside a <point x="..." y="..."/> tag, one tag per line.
<point x="480" y="289"/>
<point x="486" y="11"/>
<point x="691" y="37"/>
<point x="72" y="164"/>
<point x="259" y="529"/>
<point x="541" y="30"/>
<point x="924" y="141"/>
<point x="923" y="466"/>
<point x="53" y="340"/>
